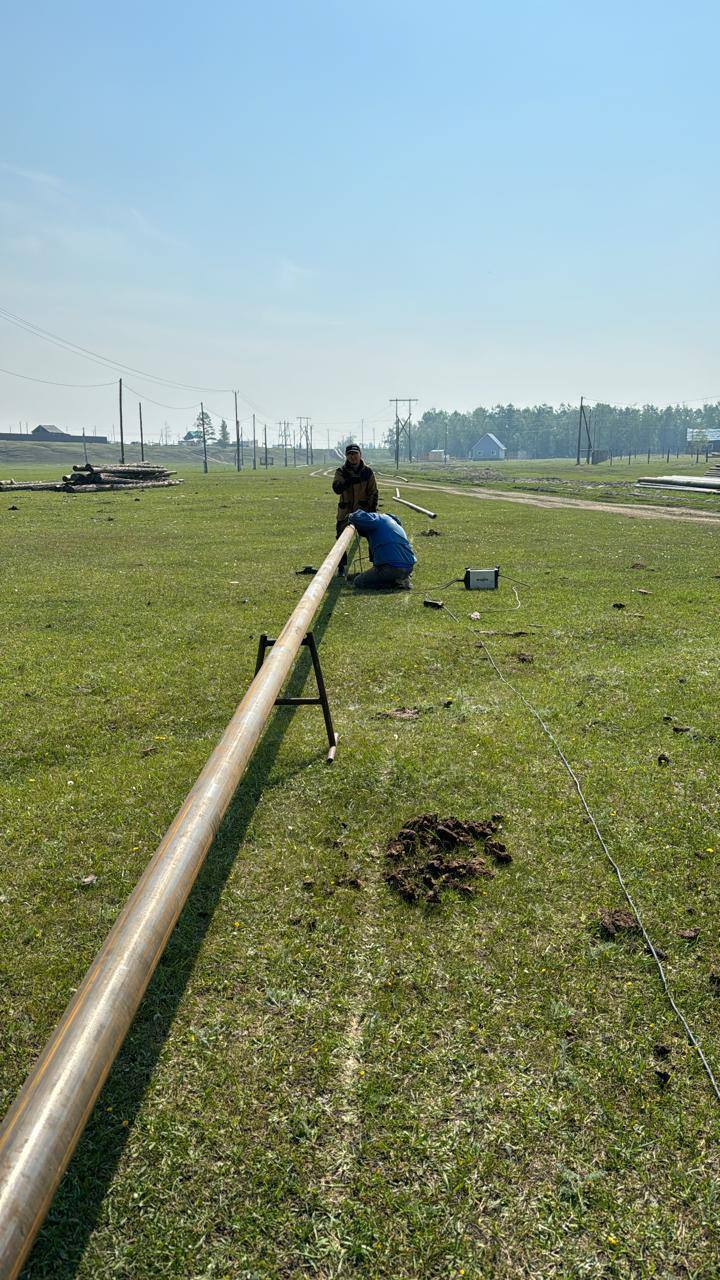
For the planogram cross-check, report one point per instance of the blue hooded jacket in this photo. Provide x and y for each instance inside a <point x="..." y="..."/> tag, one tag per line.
<point x="388" y="540"/>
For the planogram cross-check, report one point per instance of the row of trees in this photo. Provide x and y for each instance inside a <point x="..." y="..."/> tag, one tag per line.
<point x="544" y="431"/>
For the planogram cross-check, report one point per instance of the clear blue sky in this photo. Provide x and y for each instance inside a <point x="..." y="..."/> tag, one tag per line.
<point x="328" y="204"/>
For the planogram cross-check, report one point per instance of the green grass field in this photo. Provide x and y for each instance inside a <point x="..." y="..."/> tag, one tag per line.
<point x="323" y="1080"/>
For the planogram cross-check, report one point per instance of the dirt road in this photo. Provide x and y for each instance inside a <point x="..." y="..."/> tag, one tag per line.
<point x="645" y="512"/>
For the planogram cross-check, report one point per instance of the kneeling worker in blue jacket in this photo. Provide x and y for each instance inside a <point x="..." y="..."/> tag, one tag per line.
<point x="390" y="551"/>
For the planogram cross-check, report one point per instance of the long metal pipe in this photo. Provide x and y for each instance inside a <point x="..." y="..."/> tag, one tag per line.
<point x="47" y="1118"/>
<point x="423" y="510"/>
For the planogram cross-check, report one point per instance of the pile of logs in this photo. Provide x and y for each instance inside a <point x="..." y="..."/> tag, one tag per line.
<point x="130" y="475"/>
<point x="92" y="479"/>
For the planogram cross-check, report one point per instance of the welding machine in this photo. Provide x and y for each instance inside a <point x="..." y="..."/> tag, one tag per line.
<point x="481" y="579"/>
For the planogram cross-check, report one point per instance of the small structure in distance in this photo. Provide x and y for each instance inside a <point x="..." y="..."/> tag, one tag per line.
<point x="488" y="449"/>
<point x="43" y="435"/>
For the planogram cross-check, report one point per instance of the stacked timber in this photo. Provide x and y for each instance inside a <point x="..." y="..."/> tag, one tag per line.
<point x="34" y="486"/>
<point x="92" y="479"/>
<point x="129" y="475"/>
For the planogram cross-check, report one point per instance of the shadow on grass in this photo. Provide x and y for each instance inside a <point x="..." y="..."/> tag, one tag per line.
<point x="64" y="1236"/>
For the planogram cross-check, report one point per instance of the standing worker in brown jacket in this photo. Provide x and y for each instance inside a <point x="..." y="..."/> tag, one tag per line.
<point x="356" y="487"/>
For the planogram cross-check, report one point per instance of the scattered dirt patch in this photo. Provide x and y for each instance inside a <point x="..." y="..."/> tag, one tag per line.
<point x="430" y="533"/>
<point x="689" y="934"/>
<point x="619" y="605"/>
<point x="430" y="854"/>
<point x="409" y="713"/>
<point x="524" y="657"/>
<point x="663" y="758"/>
<point x="617" y="923"/>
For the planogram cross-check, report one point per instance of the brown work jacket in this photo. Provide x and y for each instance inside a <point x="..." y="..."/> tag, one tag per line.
<point x="357" y="490"/>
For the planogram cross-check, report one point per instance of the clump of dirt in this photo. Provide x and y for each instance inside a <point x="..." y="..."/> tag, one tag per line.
<point x="430" y="854"/>
<point x="614" y="923"/>
<point x="400" y="713"/>
<point x="409" y="713"/>
<point x="430" y="533"/>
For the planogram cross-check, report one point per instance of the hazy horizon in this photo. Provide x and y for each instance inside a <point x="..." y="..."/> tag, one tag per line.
<point x="328" y="207"/>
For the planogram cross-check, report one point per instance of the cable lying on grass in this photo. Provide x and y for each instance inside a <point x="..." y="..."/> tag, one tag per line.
<point x="692" y="1038"/>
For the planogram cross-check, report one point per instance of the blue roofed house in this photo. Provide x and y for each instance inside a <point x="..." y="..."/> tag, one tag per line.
<point x="488" y="449"/>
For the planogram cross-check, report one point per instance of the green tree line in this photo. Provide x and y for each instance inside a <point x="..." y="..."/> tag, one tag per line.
<point x="546" y="431"/>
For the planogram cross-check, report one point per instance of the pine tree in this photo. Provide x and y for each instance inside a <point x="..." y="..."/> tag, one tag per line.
<point x="223" y="434"/>
<point x="209" y="428"/>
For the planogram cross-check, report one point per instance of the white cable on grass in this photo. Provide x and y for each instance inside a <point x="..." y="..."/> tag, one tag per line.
<point x="648" y="940"/>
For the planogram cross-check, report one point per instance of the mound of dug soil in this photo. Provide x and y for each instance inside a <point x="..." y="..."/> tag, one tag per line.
<point x="430" y="854"/>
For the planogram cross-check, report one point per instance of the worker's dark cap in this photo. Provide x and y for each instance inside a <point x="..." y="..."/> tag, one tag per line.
<point x="352" y="448"/>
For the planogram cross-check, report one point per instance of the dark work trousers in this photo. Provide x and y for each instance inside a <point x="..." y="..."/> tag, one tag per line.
<point x="382" y="575"/>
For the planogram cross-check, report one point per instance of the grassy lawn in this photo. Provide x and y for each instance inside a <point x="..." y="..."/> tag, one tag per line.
<point x="323" y="1079"/>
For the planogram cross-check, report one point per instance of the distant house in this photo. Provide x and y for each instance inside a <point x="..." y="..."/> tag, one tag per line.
<point x="437" y="455"/>
<point x="43" y="435"/>
<point x="49" y="433"/>
<point x="487" y="449"/>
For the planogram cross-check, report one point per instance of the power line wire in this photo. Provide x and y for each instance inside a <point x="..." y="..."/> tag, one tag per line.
<point x="95" y="356"/>
<point x="49" y="383"/>
<point x="184" y="408"/>
<point x="628" y="896"/>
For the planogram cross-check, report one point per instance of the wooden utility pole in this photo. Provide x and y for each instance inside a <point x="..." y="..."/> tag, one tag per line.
<point x="237" y="436"/>
<point x="202" y="423"/>
<point x="122" y="438"/>
<point x="254" y="446"/>
<point x="582" y="420"/>
<point x="142" y="441"/>
<point x="402" y="427"/>
<point x="305" y="432"/>
<point x="265" y="437"/>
